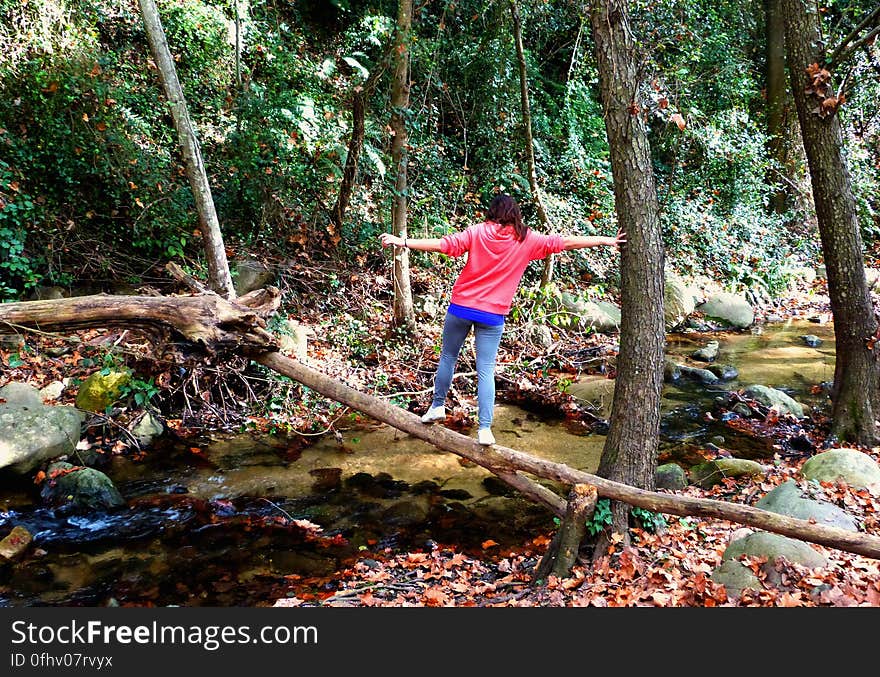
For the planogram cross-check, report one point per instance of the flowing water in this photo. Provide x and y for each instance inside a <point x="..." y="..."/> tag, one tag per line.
<point x="223" y="523"/>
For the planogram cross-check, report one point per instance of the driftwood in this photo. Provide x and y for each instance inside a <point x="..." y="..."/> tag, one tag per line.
<point x="206" y="320"/>
<point x="218" y="324"/>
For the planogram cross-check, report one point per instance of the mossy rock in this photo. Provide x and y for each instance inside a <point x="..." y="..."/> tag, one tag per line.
<point x="100" y="390"/>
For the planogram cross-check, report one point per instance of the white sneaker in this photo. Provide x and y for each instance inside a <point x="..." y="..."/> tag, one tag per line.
<point x="434" y="414"/>
<point x="485" y="436"/>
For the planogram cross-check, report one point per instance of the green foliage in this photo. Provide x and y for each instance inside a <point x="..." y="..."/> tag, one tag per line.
<point x="649" y="520"/>
<point x="140" y="391"/>
<point x="601" y="518"/>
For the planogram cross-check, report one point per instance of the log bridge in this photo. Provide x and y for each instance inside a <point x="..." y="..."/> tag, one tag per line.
<point x="214" y="324"/>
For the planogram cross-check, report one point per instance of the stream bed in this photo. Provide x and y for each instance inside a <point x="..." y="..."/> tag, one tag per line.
<point x="223" y="522"/>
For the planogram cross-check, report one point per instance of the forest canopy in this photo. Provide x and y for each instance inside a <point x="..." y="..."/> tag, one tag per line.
<point x="92" y="187"/>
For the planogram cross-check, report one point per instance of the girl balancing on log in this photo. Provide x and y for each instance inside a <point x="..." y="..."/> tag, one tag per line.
<point x="499" y="249"/>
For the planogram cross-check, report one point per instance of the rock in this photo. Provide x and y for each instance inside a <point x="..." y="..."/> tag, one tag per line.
<point x="405" y="513"/>
<point x="52" y="391"/>
<point x="15" y="544"/>
<point x="854" y="467"/>
<point x="707" y="353"/>
<point x="538" y="335"/>
<point x="250" y="275"/>
<point x="811" y="340"/>
<point x="32" y="432"/>
<point x="729" y="308"/>
<point x="735" y="577"/>
<point x="670" y="476"/>
<point x="703" y="376"/>
<point x="21" y="396"/>
<point x="100" y="390"/>
<point x="708" y="474"/>
<point x="789" y="499"/>
<point x="671" y="371"/>
<point x="601" y="317"/>
<point x="80" y="488"/>
<point x="725" y="372"/>
<point x="147" y="429"/>
<point x="776" y="399"/>
<point x="773" y="547"/>
<point x="678" y="301"/>
<point x="596" y="391"/>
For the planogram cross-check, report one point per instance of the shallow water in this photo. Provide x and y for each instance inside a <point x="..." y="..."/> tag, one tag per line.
<point x="219" y="527"/>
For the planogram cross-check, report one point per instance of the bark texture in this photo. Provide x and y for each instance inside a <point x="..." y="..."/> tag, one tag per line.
<point x="219" y="276"/>
<point x="562" y="554"/>
<point x="630" y="450"/>
<point x="547" y="273"/>
<point x="855" y="397"/>
<point x="404" y="314"/>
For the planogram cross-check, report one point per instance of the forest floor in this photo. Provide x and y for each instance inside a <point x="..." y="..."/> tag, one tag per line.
<point x="666" y="567"/>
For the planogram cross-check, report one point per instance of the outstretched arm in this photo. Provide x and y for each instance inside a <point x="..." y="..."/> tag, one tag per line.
<point x="423" y="244"/>
<point x="582" y="241"/>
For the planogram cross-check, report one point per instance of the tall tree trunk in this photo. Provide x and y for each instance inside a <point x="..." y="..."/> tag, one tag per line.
<point x="219" y="277"/>
<point x="855" y="396"/>
<point x="547" y="274"/>
<point x="404" y="315"/>
<point x="630" y="449"/>
<point x="777" y="97"/>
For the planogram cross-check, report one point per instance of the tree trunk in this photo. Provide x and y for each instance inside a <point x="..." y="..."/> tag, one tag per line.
<point x="404" y="314"/>
<point x="216" y="325"/>
<point x="355" y="142"/>
<point x="219" y="277"/>
<point x="855" y="396"/>
<point x="778" y="137"/>
<point x="563" y="551"/>
<point x="630" y="450"/>
<point x="547" y="274"/>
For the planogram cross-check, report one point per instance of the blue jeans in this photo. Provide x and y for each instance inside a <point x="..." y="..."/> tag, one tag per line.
<point x="487" y="338"/>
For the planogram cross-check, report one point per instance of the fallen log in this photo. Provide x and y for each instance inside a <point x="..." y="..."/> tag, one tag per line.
<point x="207" y="320"/>
<point x="499" y="459"/>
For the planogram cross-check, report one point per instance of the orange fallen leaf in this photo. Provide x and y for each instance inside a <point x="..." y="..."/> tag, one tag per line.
<point x="488" y="544"/>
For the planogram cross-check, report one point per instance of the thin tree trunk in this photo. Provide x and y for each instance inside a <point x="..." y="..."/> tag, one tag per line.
<point x="355" y="142"/>
<point x="855" y="396"/>
<point x="630" y="450"/>
<point x="547" y="274"/>
<point x="219" y="277"/>
<point x="404" y="314"/>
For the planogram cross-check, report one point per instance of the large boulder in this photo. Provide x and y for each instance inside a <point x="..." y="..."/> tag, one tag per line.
<point x="775" y="399"/>
<point x="735" y="576"/>
<point x="854" y="467"/>
<point x="32" y="432"/>
<point x="789" y="499"/>
<point x="731" y="309"/>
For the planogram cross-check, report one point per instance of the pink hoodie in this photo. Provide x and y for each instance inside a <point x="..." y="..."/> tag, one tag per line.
<point x="495" y="264"/>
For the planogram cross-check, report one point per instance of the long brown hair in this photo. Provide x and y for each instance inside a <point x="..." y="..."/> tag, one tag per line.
<point x="505" y="211"/>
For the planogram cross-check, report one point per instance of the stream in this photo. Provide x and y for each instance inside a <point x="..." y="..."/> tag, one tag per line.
<point x="224" y="522"/>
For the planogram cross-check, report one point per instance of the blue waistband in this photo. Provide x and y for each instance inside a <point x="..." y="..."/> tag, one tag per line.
<point x="474" y="315"/>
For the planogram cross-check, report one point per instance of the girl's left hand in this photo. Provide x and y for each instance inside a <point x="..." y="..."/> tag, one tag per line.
<point x="389" y="240"/>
